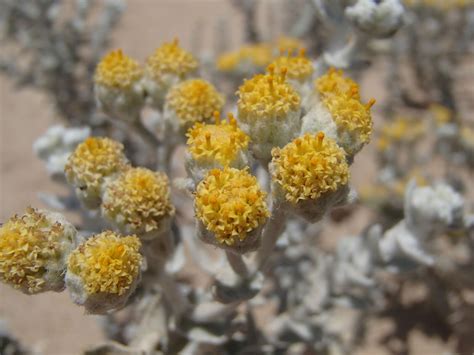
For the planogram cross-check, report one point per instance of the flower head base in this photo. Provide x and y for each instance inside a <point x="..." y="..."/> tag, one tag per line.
<point x="220" y="142"/>
<point x="117" y="71"/>
<point x="246" y="59"/>
<point x="138" y="201"/>
<point x="91" y="164"/>
<point x="309" y="167"/>
<point x="269" y="111"/>
<point x="118" y="86"/>
<point x="103" y="271"/>
<point x="231" y="206"/>
<point x="298" y="67"/>
<point x="193" y="101"/>
<point x="167" y="66"/>
<point x="33" y="251"/>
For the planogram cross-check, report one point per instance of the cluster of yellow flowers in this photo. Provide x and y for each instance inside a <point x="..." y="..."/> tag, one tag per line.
<point x="341" y="97"/>
<point x="219" y="142"/>
<point x="32" y="251"/>
<point x="116" y="70"/>
<point x="139" y="199"/>
<point x="230" y="204"/>
<point x="309" y="167"/>
<point x="267" y="96"/>
<point x="194" y="101"/>
<point x="106" y="263"/>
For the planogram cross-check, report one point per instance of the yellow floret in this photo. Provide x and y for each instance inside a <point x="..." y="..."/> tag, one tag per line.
<point x="194" y="101"/>
<point x="170" y="58"/>
<point x="230" y="204"/>
<point x="267" y="96"/>
<point x="140" y="197"/>
<point x="118" y="71"/>
<point x="93" y="160"/>
<point x="27" y="244"/>
<point x="107" y="263"/>
<point x="334" y="82"/>
<point x="309" y="167"/>
<point x="219" y="142"/>
<point x="298" y="67"/>
<point x="350" y="115"/>
<point x="258" y="55"/>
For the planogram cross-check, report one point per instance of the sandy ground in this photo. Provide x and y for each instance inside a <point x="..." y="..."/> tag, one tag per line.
<point x="50" y="322"/>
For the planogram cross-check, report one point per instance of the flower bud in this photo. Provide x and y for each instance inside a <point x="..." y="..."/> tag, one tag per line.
<point x="94" y="162"/>
<point x="190" y="102"/>
<point x="337" y="111"/>
<point x="310" y="175"/>
<point x="118" y="86"/>
<point x="33" y="251"/>
<point x="166" y="67"/>
<point x="104" y="271"/>
<point x="231" y="210"/>
<point x="249" y="59"/>
<point x="376" y="18"/>
<point x="269" y="112"/>
<point x="138" y="202"/>
<point x="216" y="146"/>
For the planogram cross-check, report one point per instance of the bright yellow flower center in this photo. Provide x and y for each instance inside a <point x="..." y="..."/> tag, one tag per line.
<point x="107" y="263"/>
<point x="194" y="101"/>
<point x="219" y="142"/>
<point x="267" y="96"/>
<point x="117" y="71"/>
<point x="140" y="197"/>
<point x="230" y="204"/>
<point x="94" y="159"/>
<point x="258" y="55"/>
<point x="27" y="244"/>
<point x="170" y="58"/>
<point x="298" y="67"/>
<point x="309" y="167"/>
<point x="335" y="83"/>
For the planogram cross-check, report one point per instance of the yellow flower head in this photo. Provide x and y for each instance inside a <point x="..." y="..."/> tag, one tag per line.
<point x="289" y="44"/>
<point x="139" y="198"/>
<point x="107" y="263"/>
<point x="170" y="58"/>
<point x="194" y="101"/>
<point x="309" y="167"/>
<point x="258" y="55"/>
<point x="297" y="67"/>
<point x="93" y="160"/>
<point x="230" y="204"/>
<point x="29" y="244"/>
<point x="334" y="82"/>
<point x="219" y="142"/>
<point x="267" y="96"/>
<point x="350" y="115"/>
<point x="117" y="71"/>
<point x="466" y="134"/>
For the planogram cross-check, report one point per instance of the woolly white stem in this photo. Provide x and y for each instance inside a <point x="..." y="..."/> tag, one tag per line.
<point x="237" y="264"/>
